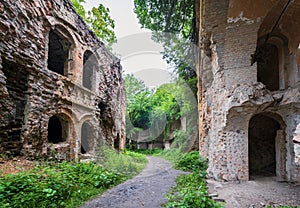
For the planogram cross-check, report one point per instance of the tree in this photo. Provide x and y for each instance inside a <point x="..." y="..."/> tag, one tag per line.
<point x="99" y="20"/>
<point x="173" y="24"/>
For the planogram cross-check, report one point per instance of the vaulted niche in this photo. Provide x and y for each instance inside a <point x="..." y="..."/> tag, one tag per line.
<point x="58" y="129"/>
<point x="268" y="66"/>
<point x="87" y="137"/>
<point x="58" y="54"/>
<point x="89" y="64"/>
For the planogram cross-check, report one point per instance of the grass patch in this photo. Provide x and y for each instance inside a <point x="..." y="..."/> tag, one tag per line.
<point x="128" y="164"/>
<point x="190" y="189"/>
<point x="171" y="154"/>
<point x="67" y="184"/>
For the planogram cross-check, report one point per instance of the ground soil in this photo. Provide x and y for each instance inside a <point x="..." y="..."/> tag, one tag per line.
<point x="146" y="190"/>
<point x="256" y="193"/>
<point x="15" y="165"/>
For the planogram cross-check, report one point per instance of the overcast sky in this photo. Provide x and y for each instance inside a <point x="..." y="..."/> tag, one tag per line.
<point x="139" y="54"/>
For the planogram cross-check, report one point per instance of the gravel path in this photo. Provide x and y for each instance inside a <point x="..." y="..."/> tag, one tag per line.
<point x="145" y="190"/>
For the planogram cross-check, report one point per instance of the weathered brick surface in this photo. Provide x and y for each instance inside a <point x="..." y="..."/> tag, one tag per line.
<point x="229" y="91"/>
<point x="33" y="92"/>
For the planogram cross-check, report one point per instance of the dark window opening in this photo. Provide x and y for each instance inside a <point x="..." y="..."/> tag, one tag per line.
<point x="262" y="153"/>
<point x="89" y="63"/>
<point x="102" y="107"/>
<point x="86" y="138"/>
<point x="56" y="129"/>
<point x="117" y="142"/>
<point x="58" y="53"/>
<point x="268" y="66"/>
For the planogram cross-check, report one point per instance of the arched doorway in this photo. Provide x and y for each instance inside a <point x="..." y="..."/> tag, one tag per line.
<point x="87" y="138"/>
<point x="57" y="130"/>
<point x="267" y="146"/>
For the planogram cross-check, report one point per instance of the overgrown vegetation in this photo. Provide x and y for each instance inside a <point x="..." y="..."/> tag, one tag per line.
<point x="128" y="164"/>
<point x="157" y="110"/>
<point x="67" y="184"/>
<point x="190" y="189"/>
<point x="99" y="20"/>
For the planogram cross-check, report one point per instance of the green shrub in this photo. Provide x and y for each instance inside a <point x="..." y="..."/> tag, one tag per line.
<point x="190" y="191"/>
<point x="191" y="161"/>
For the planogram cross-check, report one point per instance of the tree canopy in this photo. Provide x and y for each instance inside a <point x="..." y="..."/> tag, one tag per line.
<point x="99" y="21"/>
<point x="173" y="25"/>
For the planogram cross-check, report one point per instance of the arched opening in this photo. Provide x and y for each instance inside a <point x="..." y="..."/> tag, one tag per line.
<point x="57" y="130"/>
<point x="89" y="63"/>
<point x="282" y="22"/>
<point x="58" y="53"/>
<point x="86" y="138"/>
<point x="266" y="147"/>
<point x="268" y="66"/>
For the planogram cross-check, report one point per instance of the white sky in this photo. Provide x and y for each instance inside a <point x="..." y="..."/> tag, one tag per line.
<point x="139" y="54"/>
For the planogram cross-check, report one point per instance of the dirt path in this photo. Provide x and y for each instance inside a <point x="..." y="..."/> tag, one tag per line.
<point x="145" y="190"/>
<point x="256" y="193"/>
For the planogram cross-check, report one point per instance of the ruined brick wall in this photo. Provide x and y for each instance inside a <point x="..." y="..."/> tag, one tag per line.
<point x="31" y="94"/>
<point x="231" y="93"/>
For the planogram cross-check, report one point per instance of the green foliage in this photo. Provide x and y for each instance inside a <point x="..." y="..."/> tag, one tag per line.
<point x="144" y="106"/>
<point x="55" y="185"/>
<point x="190" y="191"/>
<point x="172" y="155"/>
<point x="166" y="16"/>
<point x="127" y="164"/>
<point x="99" y="20"/>
<point x="173" y="25"/>
<point x="68" y="184"/>
<point x="191" y="161"/>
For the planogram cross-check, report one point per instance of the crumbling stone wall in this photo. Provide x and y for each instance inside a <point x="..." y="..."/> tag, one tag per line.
<point x="233" y="36"/>
<point x="31" y="93"/>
